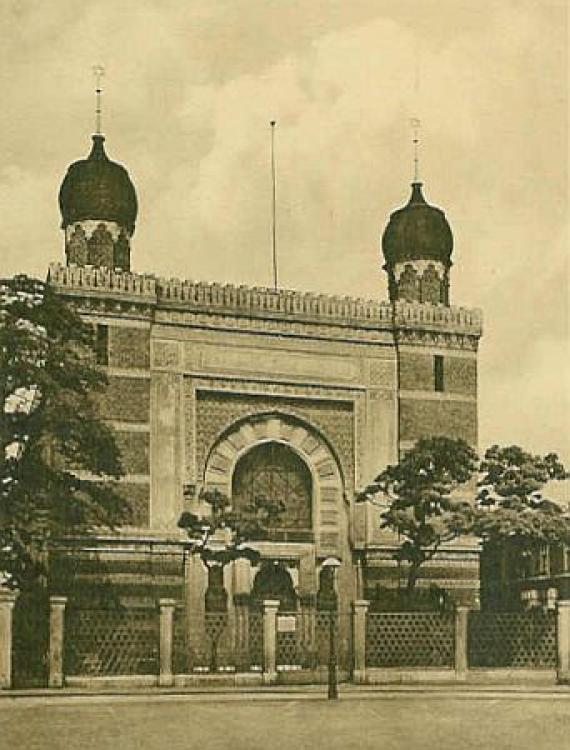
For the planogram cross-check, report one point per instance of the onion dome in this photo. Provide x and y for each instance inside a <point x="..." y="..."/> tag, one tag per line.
<point x="417" y="231"/>
<point x="97" y="188"/>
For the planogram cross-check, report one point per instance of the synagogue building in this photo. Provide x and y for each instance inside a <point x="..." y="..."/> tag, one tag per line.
<point x="296" y="395"/>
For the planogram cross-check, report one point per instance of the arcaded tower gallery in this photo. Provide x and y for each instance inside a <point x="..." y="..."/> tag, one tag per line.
<point x="299" y="395"/>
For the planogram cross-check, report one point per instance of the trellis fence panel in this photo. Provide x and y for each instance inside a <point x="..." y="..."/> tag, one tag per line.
<point x="512" y="639"/>
<point x="303" y="639"/>
<point x="118" y="641"/>
<point x="410" y="639"/>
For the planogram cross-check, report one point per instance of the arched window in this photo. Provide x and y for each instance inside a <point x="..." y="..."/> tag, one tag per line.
<point x="431" y="287"/>
<point x="276" y="473"/>
<point x="408" y="285"/>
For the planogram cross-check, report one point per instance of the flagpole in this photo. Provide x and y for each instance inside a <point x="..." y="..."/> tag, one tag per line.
<point x="273" y="207"/>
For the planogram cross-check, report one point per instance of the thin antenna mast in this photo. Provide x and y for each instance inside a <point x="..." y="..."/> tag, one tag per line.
<point x="273" y="206"/>
<point x="98" y="72"/>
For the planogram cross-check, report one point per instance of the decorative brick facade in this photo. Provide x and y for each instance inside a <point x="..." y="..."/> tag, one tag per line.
<point x="191" y="363"/>
<point x="218" y="411"/>
<point x="126" y="399"/>
<point x="421" y="418"/>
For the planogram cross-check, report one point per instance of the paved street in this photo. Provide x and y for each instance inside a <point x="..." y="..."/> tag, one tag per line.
<point x="383" y="721"/>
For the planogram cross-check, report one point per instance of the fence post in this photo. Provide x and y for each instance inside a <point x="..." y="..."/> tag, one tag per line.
<point x="270" y="607"/>
<point x="165" y="676"/>
<point x="56" y="640"/>
<point x="563" y="637"/>
<point x="359" y="612"/>
<point x="461" y="628"/>
<point x="7" y="601"/>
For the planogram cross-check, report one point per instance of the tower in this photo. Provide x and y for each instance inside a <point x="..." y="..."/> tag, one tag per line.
<point x="98" y="206"/>
<point x="417" y="245"/>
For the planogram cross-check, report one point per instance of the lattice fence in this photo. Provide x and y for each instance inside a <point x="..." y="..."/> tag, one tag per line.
<point x="209" y="643"/>
<point x="112" y="641"/>
<point x="512" y="639"/>
<point x="410" y="639"/>
<point x="179" y="641"/>
<point x="255" y="640"/>
<point x="297" y="640"/>
<point x="308" y="645"/>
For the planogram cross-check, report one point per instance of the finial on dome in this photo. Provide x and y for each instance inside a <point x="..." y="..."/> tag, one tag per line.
<point x="417" y="196"/>
<point x="97" y="149"/>
<point x="416" y="124"/>
<point x="98" y="72"/>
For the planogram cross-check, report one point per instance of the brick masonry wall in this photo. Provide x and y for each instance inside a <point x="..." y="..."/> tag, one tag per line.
<point x="141" y="575"/>
<point x="438" y="417"/>
<point x="125" y="399"/>
<point x="138" y="498"/>
<point x="129" y="347"/>
<point x="460" y="578"/>
<point x="417" y="373"/>
<point x="460" y="375"/>
<point x="134" y="448"/>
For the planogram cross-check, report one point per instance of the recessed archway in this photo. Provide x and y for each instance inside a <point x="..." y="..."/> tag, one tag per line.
<point x="311" y="448"/>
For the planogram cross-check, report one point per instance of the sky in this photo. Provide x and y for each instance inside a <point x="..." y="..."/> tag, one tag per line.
<point x="189" y="90"/>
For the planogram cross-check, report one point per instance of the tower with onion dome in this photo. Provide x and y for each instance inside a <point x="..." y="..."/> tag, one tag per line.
<point x="98" y="205"/>
<point x="417" y="245"/>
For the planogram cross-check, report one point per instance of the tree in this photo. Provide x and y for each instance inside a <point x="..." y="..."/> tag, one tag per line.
<point x="58" y="460"/>
<point x="220" y="535"/>
<point x="512" y="508"/>
<point x="422" y="507"/>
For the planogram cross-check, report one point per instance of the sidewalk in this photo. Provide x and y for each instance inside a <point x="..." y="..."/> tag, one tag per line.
<point x="281" y="693"/>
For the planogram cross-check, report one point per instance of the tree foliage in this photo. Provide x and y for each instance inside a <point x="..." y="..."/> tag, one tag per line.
<point x="220" y="535"/>
<point x="422" y="507"/>
<point x="511" y="505"/>
<point x="57" y="459"/>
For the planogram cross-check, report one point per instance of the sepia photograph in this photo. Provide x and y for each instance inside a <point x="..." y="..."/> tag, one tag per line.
<point x="284" y="375"/>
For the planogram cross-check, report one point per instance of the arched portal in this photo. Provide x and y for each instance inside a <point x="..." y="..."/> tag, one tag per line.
<point x="296" y="458"/>
<point x="273" y="581"/>
<point x="274" y="472"/>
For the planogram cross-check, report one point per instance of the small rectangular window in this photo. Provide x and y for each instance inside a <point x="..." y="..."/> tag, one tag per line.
<point x="102" y="345"/>
<point x="438" y="373"/>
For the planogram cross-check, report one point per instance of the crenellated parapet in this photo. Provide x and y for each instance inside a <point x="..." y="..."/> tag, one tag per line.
<point x="182" y="299"/>
<point x="244" y="300"/>
<point x="102" y="282"/>
<point x="426" y="316"/>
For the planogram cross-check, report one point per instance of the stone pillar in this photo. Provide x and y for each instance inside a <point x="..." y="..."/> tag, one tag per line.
<point x="359" y="612"/>
<point x="7" y="601"/>
<point x="56" y="640"/>
<point x="166" y="487"/>
<point x="563" y="630"/>
<point x="166" y="606"/>
<point x="270" y="607"/>
<point x="461" y="627"/>
<point x="196" y="582"/>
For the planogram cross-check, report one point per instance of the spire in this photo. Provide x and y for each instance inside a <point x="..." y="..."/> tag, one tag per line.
<point x="98" y="72"/>
<point x="416" y="124"/>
